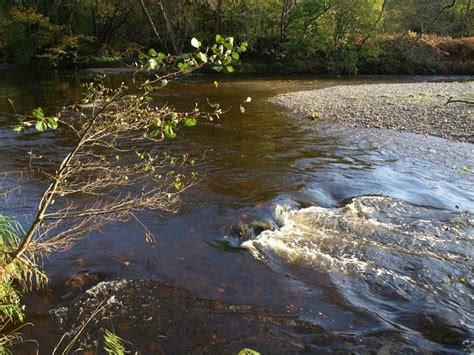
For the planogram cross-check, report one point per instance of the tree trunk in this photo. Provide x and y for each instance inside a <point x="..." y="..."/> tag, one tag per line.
<point x="218" y="17"/>
<point x="169" y="25"/>
<point x="283" y="19"/>
<point x="150" y="21"/>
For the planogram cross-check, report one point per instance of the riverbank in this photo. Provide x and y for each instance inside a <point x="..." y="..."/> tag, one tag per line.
<point x="419" y="107"/>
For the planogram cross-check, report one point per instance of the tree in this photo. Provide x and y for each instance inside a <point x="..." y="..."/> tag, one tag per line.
<point x="117" y="163"/>
<point x="110" y="127"/>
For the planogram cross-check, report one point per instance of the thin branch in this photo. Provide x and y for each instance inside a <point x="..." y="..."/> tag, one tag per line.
<point x="451" y="100"/>
<point x="443" y="9"/>
<point x="150" y="21"/>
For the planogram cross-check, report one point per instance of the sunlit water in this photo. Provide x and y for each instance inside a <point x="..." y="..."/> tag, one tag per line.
<point x="361" y="232"/>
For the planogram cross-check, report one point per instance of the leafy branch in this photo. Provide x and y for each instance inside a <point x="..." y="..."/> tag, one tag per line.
<point x="118" y="162"/>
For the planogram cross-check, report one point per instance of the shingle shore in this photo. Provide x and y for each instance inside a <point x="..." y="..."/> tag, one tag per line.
<point x="417" y="107"/>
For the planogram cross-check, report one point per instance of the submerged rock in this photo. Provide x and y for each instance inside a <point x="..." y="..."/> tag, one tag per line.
<point x="155" y="318"/>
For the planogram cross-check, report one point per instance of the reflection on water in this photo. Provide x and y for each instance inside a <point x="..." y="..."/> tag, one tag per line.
<point x="373" y="240"/>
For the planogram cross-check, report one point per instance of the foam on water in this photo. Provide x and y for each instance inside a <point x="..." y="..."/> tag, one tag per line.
<point x="381" y="254"/>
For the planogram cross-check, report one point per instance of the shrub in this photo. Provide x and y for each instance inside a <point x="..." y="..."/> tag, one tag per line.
<point x="26" y="32"/>
<point x="28" y="37"/>
<point x="430" y="54"/>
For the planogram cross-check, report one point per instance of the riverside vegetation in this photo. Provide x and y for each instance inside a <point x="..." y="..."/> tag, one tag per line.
<point x="119" y="134"/>
<point x="336" y="36"/>
<point x="118" y="139"/>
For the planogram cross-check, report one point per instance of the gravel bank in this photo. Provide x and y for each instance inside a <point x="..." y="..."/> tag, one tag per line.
<point x="417" y="107"/>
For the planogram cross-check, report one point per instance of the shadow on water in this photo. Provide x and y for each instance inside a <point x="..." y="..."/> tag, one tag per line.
<point x="301" y="236"/>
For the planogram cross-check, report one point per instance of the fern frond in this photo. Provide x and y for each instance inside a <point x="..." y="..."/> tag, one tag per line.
<point x="113" y="344"/>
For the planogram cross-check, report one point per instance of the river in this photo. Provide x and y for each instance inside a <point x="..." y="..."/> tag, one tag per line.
<point x="362" y="237"/>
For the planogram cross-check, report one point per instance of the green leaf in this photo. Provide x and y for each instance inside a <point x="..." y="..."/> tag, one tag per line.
<point x="190" y="122"/>
<point x="466" y="168"/>
<point x="141" y="56"/>
<point x="230" y="68"/>
<point x="152" y="52"/>
<point x="20" y="128"/>
<point x="178" y="185"/>
<point x="52" y="122"/>
<point x="41" y="126"/>
<point x="202" y="57"/>
<point x="220" y="39"/>
<point x="148" y="99"/>
<point x="157" y="122"/>
<point x="169" y="133"/>
<point x="244" y="44"/>
<point x="235" y="56"/>
<point x="148" y="87"/>
<point x="161" y="56"/>
<point x="152" y="63"/>
<point x="195" y="43"/>
<point x="38" y="113"/>
<point x="155" y="133"/>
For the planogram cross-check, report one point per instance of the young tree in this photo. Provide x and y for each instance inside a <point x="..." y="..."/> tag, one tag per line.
<point x="110" y="127"/>
<point x="117" y="164"/>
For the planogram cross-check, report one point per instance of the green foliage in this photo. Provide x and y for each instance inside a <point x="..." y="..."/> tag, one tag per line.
<point x="190" y="122"/>
<point x="68" y="51"/>
<point x="169" y="130"/>
<point x="113" y="344"/>
<point x="38" y="120"/>
<point x="27" y="33"/>
<point x="315" y="115"/>
<point x="29" y="37"/>
<point x="22" y="272"/>
<point x="10" y="309"/>
<point x="248" y="351"/>
<point x="336" y="35"/>
<point x="306" y="35"/>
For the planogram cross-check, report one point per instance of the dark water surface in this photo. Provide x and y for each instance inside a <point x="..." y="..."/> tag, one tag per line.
<point x="362" y="238"/>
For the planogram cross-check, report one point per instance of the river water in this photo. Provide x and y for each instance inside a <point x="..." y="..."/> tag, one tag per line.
<point x="363" y="236"/>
